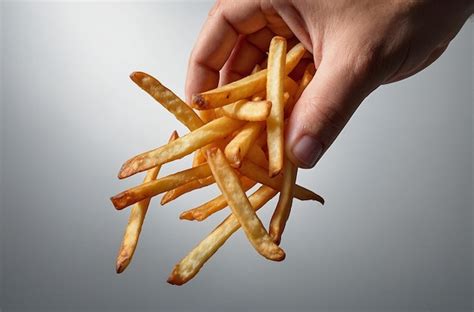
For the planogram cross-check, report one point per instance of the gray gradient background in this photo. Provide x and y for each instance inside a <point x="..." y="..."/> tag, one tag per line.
<point x="395" y="234"/>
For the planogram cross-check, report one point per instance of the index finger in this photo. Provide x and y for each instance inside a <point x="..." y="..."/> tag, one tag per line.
<point x="217" y="39"/>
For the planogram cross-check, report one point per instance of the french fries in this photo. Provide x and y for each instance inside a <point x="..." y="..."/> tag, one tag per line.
<point x="237" y="138"/>
<point x="276" y="72"/>
<point x="187" y="268"/>
<point x="257" y="173"/>
<point x="283" y="208"/>
<point x="153" y="188"/>
<point x="248" y="110"/>
<point x="181" y="147"/>
<point x="135" y="222"/>
<point x="203" y="211"/>
<point x="230" y="187"/>
<point x="168" y="99"/>
<point x="244" y="87"/>
<point x="236" y="150"/>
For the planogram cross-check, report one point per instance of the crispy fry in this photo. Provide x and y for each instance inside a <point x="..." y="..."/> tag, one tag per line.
<point x="230" y="187"/>
<point x="190" y="265"/>
<point x="290" y="86"/>
<point x="256" y="173"/>
<point x="168" y="99"/>
<point x="236" y="150"/>
<point x="186" y="188"/>
<point x="257" y="156"/>
<point x="305" y="80"/>
<point x="283" y="208"/>
<point x="183" y="146"/>
<point x="199" y="158"/>
<point x="259" y="96"/>
<point x="135" y="222"/>
<point x="248" y="110"/>
<point x="275" y="77"/>
<point x="245" y="87"/>
<point x="207" y="115"/>
<point x="153" y="188"/>
<point x="203" y="211"/>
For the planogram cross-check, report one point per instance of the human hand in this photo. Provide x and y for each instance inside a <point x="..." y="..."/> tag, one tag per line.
<point x="356" y="45"/>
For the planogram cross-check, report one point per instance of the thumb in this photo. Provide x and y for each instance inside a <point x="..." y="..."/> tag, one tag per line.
<point x="323" y="110"/>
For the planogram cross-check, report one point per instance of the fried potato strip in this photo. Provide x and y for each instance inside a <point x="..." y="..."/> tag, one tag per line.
<point x="190" y="265"/>
<point x="230" y="187"/>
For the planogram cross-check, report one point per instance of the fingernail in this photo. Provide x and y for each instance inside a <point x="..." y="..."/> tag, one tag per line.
<point x="307" y="151"/>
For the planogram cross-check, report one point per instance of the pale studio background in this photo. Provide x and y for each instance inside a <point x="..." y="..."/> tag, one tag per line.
<point x="395" y="234"/>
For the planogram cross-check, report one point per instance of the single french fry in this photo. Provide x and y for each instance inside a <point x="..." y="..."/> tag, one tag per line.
<point x="257" y="173"/>
<point x="257" y="156"/>
<point x="275" y="122"/>
<point x="305" y="80"/>
<point x="199" y="158"/>
<point x="248" y="110"/>
<point x="181" y="147"/>
<point x="168" y="99"/>
<point x="206" y="115"/>
<point x="186" y="188"/>
<point x="290" y="86"/>
<point x="245" y="87"/>
<point x="153" y="188"/>
<point x="259" y="96"/>
<point x="229" y="184"/>
<point x="283" y="208"/>
<point x="238" y="147"/>
<point x="135" y="222"/>
<point x="203" y="211"/>
<point x="190" y="265"/>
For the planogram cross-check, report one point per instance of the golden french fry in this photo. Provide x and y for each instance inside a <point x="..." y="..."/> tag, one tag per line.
<point x="153" y="188"/>
<point x="203" y="211"/>
<point x="305" y="80"/>
<point x="259" y="96"/>
<point x="290" y="86"/>
<point x="190" y="265"/>
<point x="207" y="115"/>
<point x="248" y="110"/>
<point x="257" y="173"/>
<point x="245" y="87"/>
<point x="283" y="208"/>
<point x="168" y="99"/>
<point x="275" y="122"/>
<point x="135" y="222"/>
<point x="199" y="158"/>
<point x="181" y="147"/>
<point x="230" y="187"/>
<point x="257" y="156"/>
<point x="186" y="188"/>
<point x="236" y="150"/>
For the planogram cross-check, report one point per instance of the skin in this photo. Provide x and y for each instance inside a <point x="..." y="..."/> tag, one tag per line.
<point x="356" y="47"/>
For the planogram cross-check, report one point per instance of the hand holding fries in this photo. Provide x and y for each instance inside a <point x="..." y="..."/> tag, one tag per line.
<point x="237" y="143"/>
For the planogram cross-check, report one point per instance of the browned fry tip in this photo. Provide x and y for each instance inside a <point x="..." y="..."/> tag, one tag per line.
<point x="186" y="215"/>
<point x="120" y="200"/>
<point x="175" y="277"/>
<point x="199" y="102"/>
<point x="137" y="76"/>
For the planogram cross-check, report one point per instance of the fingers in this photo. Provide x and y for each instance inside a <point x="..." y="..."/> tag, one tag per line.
<point x="241" y="62"/>
<point x="217" y="40"/>
<point x="323" y="110"/>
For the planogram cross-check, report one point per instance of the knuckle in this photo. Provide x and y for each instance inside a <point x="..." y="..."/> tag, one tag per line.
<point x="327" y="115"/>
<point x="367" y="63"/>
